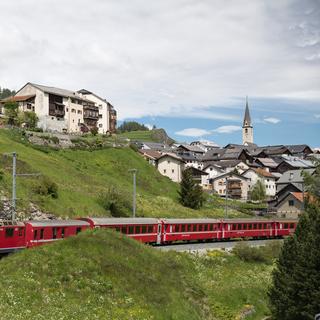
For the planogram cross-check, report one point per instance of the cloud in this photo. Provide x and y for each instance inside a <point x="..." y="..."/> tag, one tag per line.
<point x="148" y="125"/>
<point x="227" y="129"/>
<point x="272" y="120"/>
<point x="317" y="116"/>
<point x="193" y="132"/>
<point x="153" y="58"/>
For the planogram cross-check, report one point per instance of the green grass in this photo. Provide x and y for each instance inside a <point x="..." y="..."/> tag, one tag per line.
<point x="82" y="176"/>
<point x="138" y="135"/>
<point x="103" y="275"/>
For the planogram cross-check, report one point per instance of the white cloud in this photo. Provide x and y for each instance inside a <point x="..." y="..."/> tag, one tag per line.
<point x="317" y="116"/>
<point x="193" y="132"/>
<point x="151" y="58"/>
<point x="227" y="129"/>
<point x="272" y="120"/>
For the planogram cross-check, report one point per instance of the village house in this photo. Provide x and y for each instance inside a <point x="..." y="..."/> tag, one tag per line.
<point x="290" y="205"/>
<point x="232" y="185"/>
<point x="204" y="145"/>
<point x="212" y="171"/>
<point x="171" y="166"/>
<point x="61" y="110"/>
<point x="258" y="174"/>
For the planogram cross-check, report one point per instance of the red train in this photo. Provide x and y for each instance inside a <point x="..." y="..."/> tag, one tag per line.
<point x="147" y="230"/>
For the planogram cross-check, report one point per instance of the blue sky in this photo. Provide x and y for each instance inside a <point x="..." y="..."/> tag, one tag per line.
<point x="184" y="65"/>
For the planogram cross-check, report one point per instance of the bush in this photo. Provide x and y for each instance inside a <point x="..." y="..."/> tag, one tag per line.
<point x="116" y="201"/>
<point x="265" y="254"/>
<point x="47" y="187"/>
<point x="94" y="131"/>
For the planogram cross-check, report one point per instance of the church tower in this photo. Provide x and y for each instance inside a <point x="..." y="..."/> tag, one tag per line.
<point x="247" y="128"/>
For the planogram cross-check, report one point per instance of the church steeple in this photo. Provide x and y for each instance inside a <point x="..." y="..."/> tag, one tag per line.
<point x="247" y="118"/>
<point x="247" y="128"/>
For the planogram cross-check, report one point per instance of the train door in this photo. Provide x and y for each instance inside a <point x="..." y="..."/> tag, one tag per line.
<point x="159" y="233"/>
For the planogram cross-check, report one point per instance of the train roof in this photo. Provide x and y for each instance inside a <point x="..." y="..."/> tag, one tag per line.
<point x="191" y="220"/>
<point x="112" y="221"/>
<point x="57" y="223"/>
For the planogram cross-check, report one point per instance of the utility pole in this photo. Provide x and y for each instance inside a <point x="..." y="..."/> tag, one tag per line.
<point x="226" y="207"/>
<point x="14" y="184"/>
<point x="134" y="172"/>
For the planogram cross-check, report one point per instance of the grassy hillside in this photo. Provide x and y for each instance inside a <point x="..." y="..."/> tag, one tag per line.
<point x="84" y="176"/>
<point x="103" y="275"/>
<point x="155" y="135"/>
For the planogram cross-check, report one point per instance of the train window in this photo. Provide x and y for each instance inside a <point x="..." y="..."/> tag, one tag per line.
<point x="41" y="233"/>
<point x="35" y="234"/>
<point x="205" y="227"/>
<point x="138" y="229"/>
<point x="131" y="230"/>
<point x="124" y="229"/>
<point x="118" y="229"/>
<point x="9" y="232"/>
<point x="254" y="226"/>
<point x="250" y="226"/>
<point x="244" y="226"/>
<point x="285" y="226"/>
<point x="260" y="225"/>
<point x="200" y="227"/>
<point x="20" y="232"/>
<point x="78" y="230"/>
<point x="144" y="229"/>
<point x="189" y="227"/>
<point x="210" y="227"/>
<point x="264" y="226"/>
<point x="234" y="227"/>
<point x="150" y="229"/>
<point x="62" y="233"/>
<point x="54" y="233"/>
<point x="291" y="225"/>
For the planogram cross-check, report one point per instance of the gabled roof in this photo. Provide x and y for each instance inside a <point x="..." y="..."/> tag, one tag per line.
<point x="171" y="155"/>
<point x="154" y="145"/>
<point x="191" y="148"/>
<point x="293" y="176"/>
<point x="299" y="148"/>
<point x="267" y="162"/>
<point x="212" y="164"/>
<point x="152" y="154"/>
<point x="298" y="163"/>
<point x="87" y="92"/>
<point x="18" y="98"/>
<point x="231" y="173"/>
<point x="198" y="171"/>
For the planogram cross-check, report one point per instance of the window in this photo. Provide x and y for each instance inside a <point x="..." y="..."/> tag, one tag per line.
<point x="78" y="230"/>
<point x="9" y="232"/>
<point x="169" y="161"/>
<point x="234" y="227"/>
<point x="100" y="125"/>
<point x="100" y="116"/>
<point x="35" y="234"/>
<point x="124" y="229"/>
<point x="73" y="110"/>
<point x="144" y="229"/>
<point x="244" y="227"/>
<point x="176" y="228"/>
<point x="285" y="226"/>
<point x="54" y="233"/>
<point x="260" y="225"/>
<point x="291" y="225"/>
<point x="189" y="227"/>
<point x="255" y="226"/>
<point x="150" y="229"/>
<point x="79" y="112"/>
<point x="62" y="233"/>
<point x="138" y="229"/>
<point x="205" y="227"/>
<point x="172" y="170"/>
<point x="41" y="233"/>
<point x="20" y="232"/>
<point x="164" y="171"/>
<point x="250" y="226"/>
<point x="291" y="203"/>
<point x="131" y="230"/>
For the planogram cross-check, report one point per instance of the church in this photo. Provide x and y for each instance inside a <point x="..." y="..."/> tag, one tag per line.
<point x="247" y="128"/>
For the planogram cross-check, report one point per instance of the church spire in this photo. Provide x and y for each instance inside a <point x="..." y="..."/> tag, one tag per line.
<point x="247" y="118"/>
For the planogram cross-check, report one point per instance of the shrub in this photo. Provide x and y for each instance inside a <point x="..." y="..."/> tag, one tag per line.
<point x="47" y="187"/>
<point x="94" y="131"/>
<point x="116" y="201"/>
<point x="134" y="147"/>
<point x="265" y="254"/>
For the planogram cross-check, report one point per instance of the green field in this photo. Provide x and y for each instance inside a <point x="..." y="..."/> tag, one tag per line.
<point x="104" y="275"/>
<point x="82" y="176"/>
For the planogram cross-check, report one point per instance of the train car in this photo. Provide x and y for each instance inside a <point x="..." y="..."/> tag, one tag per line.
<point x="191" y="230"/>
<point x="12" y="237"/>
<point x="248" y="228"/>
<point x="285" y="227"/>
<point x="47" y="231"/>
<point x="147" y="230"/>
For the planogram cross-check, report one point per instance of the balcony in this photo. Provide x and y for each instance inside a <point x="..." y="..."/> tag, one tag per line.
<point x="56" y="109"/>
<point x="90" y="112"/>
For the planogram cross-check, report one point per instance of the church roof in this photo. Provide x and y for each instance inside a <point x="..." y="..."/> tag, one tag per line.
<point x="247" y="118"/>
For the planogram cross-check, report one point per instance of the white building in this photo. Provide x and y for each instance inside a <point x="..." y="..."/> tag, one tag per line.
<point x="205" y="145"/>
<point x="60" y="110"/>
<point x="269" y="181"/>
<point x="171" y="166"/>
<point x="212" y="171"/>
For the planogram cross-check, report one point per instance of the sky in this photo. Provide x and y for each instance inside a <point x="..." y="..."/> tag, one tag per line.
<point x="184" y="65"/>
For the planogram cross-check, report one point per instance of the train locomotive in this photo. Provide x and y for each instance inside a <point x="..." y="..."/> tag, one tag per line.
<point x="29" y="234"/>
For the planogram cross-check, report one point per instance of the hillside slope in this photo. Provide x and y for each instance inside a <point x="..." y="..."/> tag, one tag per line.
<point x="104" y="275"/>
<point x="85" y="177"/>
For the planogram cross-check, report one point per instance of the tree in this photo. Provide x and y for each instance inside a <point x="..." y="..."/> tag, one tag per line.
<point x="190" y="194"/>
<point x="30" y="119"/>
<point x="258" y="192"/>
<point x="132" y="126"/>
<point x="11" y="112"/>
<point x="295" y="291"/>
<point x="5" y="93"/>
<point x="312" y="181"/>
